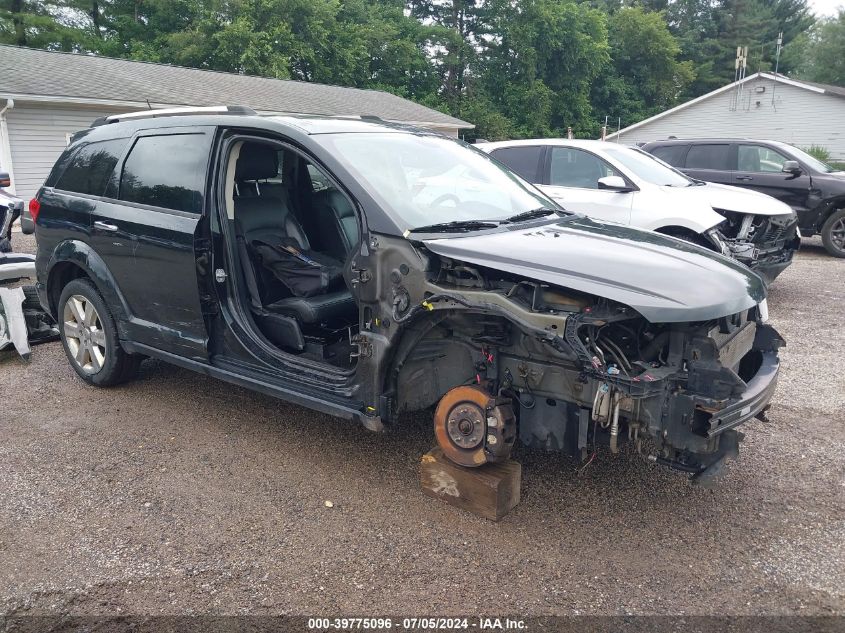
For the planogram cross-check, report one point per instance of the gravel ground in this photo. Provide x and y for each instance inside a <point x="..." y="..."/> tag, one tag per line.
<point x="180" y="494"/>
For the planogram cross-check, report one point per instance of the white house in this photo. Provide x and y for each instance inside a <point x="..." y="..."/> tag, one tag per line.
<point x="45" y="96"/>
<point x="763" y="106"/>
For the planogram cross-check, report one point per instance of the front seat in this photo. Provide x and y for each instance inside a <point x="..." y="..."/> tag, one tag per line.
<point x="336" y="221"/>
<point x="269" y="219"/>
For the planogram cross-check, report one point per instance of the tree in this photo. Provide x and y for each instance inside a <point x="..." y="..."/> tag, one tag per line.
<point x="823" y="58"/>
<point x="647" y="76"/>
<point x="539" y="62"/>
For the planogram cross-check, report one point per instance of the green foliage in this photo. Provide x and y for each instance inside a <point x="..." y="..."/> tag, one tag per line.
<point x="646" y="76"/>
<point x="822" y="57"/>
<point x="818" y="152"/>
<point x="515" y="68"/>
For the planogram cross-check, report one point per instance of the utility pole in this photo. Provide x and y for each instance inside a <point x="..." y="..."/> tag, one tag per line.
<point x="777" y="65"/>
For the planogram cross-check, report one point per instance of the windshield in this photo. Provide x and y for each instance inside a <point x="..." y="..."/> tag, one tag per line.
<point x="648" y="168"/>
<point x="427" y="180"/>
<point x="813" y="163"/>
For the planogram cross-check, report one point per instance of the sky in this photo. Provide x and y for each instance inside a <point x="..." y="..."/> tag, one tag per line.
<point x="826" y="7"/>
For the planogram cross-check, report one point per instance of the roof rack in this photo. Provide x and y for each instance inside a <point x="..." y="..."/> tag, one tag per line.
<point x="152" y="114"/>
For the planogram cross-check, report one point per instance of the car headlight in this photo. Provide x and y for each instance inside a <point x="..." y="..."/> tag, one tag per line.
<point x="763" y="310"/>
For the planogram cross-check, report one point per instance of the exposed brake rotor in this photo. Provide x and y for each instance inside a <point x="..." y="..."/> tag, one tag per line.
<point x="474" y="427"/>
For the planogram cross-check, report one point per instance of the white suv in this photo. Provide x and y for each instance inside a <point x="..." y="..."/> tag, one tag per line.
<point x="626" y="185"/>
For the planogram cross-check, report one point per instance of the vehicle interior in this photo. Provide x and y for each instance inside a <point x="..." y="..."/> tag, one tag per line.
<point x="294" y="232"/>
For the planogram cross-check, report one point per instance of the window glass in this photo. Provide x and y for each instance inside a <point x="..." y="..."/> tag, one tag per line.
<point x="646" y="167"/>
<point x="672" y="154"/>
<point x="166" y="171"/>
<point x="708" y="157"/>
<point x="422" y="180"/>
<point x="90" y="168"/>
<point x="520" y="160"/>
<point x="760" y="159"/>
<point x="813" y="163"/>
<point x="577" y="168"/>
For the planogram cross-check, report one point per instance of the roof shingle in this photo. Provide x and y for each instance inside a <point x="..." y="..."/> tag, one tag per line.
<point x="30" y="71"/>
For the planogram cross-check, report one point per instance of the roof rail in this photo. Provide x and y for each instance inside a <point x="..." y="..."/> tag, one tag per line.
<point x="152" y="114"/>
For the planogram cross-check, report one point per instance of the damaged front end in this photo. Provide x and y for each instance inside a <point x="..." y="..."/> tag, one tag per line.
<point x="504" y="357"/>
<point x="764" y="243"/>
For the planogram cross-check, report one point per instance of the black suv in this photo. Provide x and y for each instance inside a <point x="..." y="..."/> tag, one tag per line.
<point x="813" y="189"/>
<point x="367" y="269"/>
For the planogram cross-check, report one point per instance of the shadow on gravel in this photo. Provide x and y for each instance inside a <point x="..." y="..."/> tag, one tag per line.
<point x="625" y="486"/>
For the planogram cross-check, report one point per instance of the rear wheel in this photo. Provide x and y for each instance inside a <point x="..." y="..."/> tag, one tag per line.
<point x="833" y="234"/>
<point x="89" y="337"/>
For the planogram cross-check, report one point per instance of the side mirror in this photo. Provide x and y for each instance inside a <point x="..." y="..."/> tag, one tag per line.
<point x="614" y="183"/>
<point x="5" y="181"/>
<point x="791" y="167"/>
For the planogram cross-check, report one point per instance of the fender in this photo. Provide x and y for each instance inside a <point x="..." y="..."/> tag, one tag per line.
<point x="82" y="255"/>
<point x="699" y="224"/>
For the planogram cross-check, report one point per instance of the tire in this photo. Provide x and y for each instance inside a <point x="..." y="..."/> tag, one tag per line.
<point x="688" y="236"/>
<point x="833" y="234"/>
<point x="89" y="337"/>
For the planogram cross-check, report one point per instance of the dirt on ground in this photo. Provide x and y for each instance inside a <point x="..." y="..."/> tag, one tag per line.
<point x="181" y="494"/>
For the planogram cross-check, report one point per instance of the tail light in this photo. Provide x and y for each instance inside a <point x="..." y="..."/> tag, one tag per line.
<point x="34" y="208"/>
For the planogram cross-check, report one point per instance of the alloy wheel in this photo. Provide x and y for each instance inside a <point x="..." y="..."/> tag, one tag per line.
<point x="84" y="334"/>
<point x="837" y="234"/>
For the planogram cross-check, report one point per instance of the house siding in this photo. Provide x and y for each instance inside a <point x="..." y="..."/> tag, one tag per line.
<point x="37" y="135"/>
<point x="799" y="117"/>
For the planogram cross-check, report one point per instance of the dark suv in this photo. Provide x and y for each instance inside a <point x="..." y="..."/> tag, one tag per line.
<point x="366" y="269"/>
<point x="813" y="189"/>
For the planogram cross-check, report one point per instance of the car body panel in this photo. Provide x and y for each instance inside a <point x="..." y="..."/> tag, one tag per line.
<point x="662" y="278"/>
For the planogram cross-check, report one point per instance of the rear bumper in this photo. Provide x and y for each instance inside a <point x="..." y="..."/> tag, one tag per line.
<point x="753" y="400"/>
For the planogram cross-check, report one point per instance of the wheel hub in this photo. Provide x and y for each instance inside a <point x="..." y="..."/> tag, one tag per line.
<point x="466" y="425"/>
<point x="473" y="427"/>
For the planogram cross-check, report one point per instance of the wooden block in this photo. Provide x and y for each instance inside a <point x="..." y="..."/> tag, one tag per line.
<point x="489" y="491"/>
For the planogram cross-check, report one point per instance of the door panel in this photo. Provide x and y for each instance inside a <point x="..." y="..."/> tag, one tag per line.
<point x="150" y="249"/>
<point x="595" y="203"/>
<point x="150" y="254"/>
<point x="759" y="168"/>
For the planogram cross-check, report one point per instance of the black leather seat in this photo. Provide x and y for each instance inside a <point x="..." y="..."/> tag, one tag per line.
<point x="336" y="221"/>
<point x="269" y="218"/>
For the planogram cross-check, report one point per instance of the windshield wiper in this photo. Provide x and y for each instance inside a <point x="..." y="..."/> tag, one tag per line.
<point x="456" y="225"/>
<point x="530" y="215"/>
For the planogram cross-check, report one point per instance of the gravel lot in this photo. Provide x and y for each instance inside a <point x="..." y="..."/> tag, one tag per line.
<point x="180" y="494"/>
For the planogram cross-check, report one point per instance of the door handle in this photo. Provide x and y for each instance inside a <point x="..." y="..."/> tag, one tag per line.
<point x="105" y="226"/>
<point x="744" y="178"/>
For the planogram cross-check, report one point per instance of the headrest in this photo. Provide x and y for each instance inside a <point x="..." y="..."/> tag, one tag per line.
<point x="337" y="201"/>
<point x="257" y="162"/>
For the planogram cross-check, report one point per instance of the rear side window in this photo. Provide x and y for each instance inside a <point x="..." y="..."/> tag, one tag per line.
<point x="708" y="157"/>
<point x="89" y="169"/>
<point x="166" y="171"/>
<point x="672" y="154"/>
<point x="524" y="161"/>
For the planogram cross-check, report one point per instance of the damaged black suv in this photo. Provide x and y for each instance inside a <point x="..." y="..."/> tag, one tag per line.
<point x="366" y="269"/>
